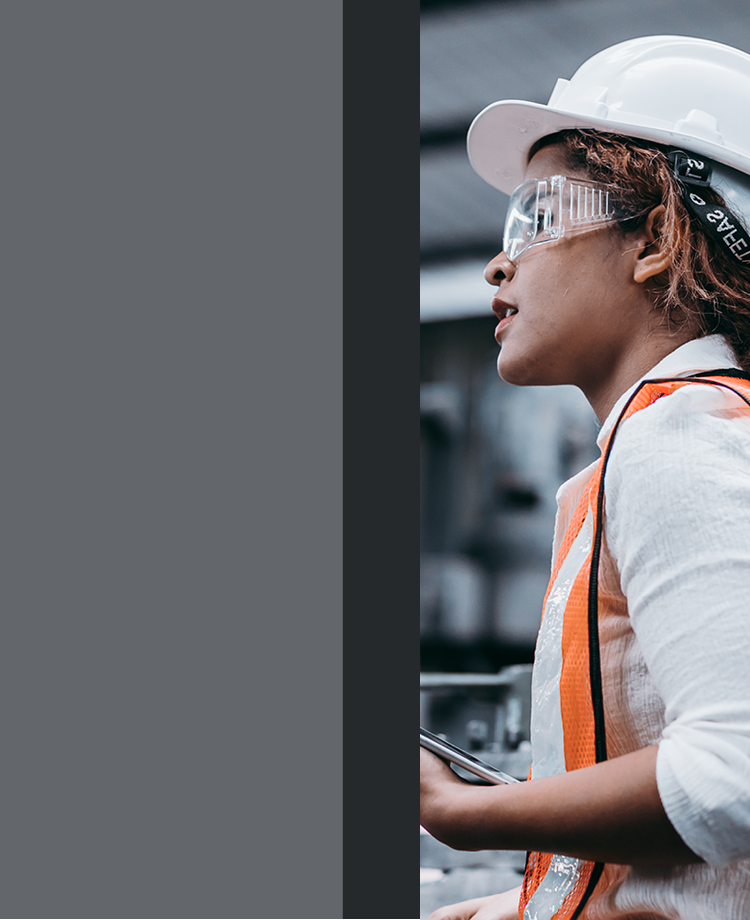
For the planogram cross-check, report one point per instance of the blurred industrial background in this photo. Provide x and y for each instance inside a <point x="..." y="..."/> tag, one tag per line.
<point x="492" y="455"/>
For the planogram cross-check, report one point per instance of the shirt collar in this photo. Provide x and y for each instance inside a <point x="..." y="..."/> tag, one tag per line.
<point x="706" y="354"/>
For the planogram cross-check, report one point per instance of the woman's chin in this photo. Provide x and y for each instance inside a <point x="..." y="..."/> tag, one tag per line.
<point x="519" y="372"/>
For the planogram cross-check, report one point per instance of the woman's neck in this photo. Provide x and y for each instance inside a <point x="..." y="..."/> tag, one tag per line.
<point x="602" y="395"/>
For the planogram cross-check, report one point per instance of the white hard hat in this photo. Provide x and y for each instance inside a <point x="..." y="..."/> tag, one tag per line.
<point x="685" y="92"/>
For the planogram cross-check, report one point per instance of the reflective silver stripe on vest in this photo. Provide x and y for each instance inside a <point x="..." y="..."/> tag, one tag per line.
<point x="556" y="885"/>
<point x="547" y="743"/>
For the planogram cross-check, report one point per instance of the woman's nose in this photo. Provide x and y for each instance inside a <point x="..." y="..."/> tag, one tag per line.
<point x="499" y="269"/>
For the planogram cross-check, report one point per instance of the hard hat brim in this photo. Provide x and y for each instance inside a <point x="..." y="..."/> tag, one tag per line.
<point x="502" y="134"/>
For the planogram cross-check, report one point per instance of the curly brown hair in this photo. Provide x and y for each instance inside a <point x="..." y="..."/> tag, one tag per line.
<point x="705" y="287"/>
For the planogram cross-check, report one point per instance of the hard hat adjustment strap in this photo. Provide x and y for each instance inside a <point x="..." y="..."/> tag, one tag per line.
<point x="689" y="169"/>
<point x="723" y="225"/>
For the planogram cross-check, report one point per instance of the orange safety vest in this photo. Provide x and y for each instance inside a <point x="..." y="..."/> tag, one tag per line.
<point x="558" y="887"/>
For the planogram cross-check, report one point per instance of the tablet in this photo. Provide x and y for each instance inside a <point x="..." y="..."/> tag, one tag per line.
<point x="463" y="759"/>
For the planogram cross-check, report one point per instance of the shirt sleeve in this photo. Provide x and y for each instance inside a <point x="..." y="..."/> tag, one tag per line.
<point x="677" y="495"/>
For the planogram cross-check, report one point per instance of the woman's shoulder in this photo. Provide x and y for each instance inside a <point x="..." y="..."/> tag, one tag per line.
<point x="689" y="417"/>
<point x="679" y="475"/>
<point x="697" y="436"/>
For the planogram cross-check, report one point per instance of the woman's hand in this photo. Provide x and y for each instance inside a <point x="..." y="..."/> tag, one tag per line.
<point x="438" y="785"/>
<point x="495" y="907"/>
<point x="434" y="773"/>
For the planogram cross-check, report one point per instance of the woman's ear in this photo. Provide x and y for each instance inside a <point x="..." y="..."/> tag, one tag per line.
<point x="652" y="259"/>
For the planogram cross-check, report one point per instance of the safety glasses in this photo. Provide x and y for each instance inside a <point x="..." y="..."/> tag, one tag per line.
<point x="542" y="210"/>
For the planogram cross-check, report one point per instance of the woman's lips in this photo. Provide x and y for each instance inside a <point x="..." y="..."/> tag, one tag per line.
<point x="504" y="312"/>
<point x="504" y="323"/>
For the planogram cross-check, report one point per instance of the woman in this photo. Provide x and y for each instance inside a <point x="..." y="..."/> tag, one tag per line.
<point x="624" y="272"/>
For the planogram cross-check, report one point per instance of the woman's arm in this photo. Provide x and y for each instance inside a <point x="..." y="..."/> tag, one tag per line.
<point x="610" y="812"/>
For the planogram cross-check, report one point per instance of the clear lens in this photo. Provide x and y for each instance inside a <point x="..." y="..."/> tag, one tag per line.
<point x="541" y="210"/>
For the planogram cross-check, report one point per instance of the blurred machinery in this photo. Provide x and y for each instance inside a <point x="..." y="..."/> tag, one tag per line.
<point x="492" y="459"/>
<point x="487" y="714"/>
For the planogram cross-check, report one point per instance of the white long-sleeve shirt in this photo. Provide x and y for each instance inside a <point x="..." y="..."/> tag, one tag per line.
<point x="675" y="631"/>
